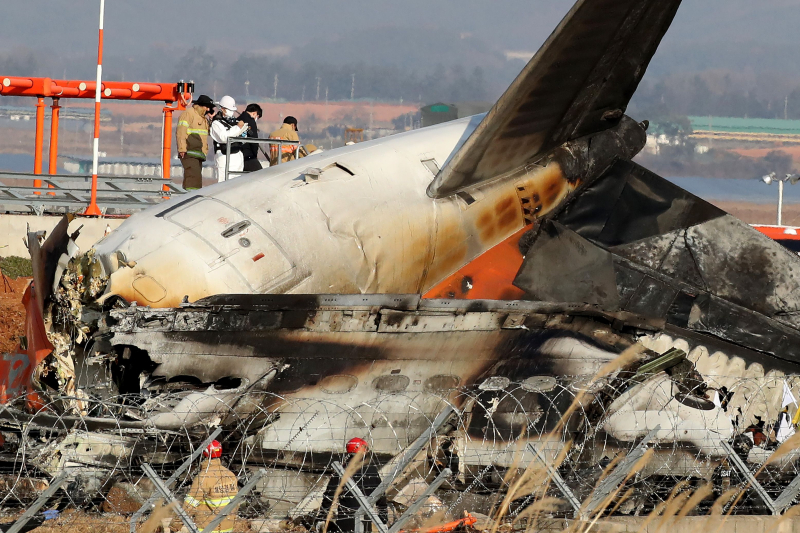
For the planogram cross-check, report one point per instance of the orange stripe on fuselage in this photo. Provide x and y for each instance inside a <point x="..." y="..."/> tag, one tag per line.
<point x="487" y="277"/>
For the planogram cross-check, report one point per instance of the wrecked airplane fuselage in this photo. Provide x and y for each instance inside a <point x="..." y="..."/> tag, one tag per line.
<point x="384" y="366"/>
<point x="639" y="311"/>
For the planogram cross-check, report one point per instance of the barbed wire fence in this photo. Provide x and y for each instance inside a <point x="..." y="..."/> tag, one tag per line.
<point x="582" y="435"/>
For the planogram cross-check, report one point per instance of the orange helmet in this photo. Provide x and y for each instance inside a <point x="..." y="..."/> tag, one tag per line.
<point x="356" y="445"/>
<point x="213" y="450"/>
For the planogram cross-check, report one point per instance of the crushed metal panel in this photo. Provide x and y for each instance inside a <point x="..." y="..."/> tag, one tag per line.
<point x="45" y="256"/>
<point x="403" y="322"/>
<point x="309" y="302"/>
<point x="744" y="327"/>
<point x="17" y="368"/>
<point x="628" y="203"/>
<point x="564" y="267"/>
<point x="673" y="256"/>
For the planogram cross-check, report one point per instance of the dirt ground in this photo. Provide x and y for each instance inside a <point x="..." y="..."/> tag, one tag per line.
<point x="80" y="522"/>
<point x="12" y="314"/>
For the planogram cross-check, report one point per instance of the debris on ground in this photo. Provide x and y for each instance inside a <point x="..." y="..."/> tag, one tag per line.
<point x="12" y="314"/>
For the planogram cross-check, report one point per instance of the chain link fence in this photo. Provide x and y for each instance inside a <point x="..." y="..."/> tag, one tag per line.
<point x="517" y="450"/>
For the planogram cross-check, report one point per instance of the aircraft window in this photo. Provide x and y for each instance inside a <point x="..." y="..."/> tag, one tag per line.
<point x="391" y="383"/>
<point x="431" y="165"/>
<point x="495" y="383"/>
<point x="232" y="230"/>
<point x="539" y="384"/>
<point x="338" y="384"/>
<point x="442" y="382"/>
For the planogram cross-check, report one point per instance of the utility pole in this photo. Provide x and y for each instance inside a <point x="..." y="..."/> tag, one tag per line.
<point x="303" y="97"/>
<point x="318" y="80"/>
<point x="275" y="88"/>
<point x="247" y="88"/>
<point x="353" y="87"/>
<point x="786" y="109"/>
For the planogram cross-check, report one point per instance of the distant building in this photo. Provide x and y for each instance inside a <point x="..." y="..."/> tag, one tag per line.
<point x="440" y="112"/>
<point x="746" y="129"/>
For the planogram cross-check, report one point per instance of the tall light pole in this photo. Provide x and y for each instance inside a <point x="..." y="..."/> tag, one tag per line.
<point x="773" y="177"/>
<point x="93" y="209"/>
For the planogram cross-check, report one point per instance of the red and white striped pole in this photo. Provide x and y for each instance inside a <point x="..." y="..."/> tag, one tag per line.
<point x="93" y="209"/>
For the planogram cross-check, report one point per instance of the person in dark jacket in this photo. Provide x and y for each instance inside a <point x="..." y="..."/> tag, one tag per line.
<point x="250" y="150"/>
<point x="366" y="478"/>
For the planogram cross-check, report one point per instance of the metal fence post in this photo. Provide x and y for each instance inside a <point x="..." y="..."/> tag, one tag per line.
<point x="408" y="455"/>
<point x="235" y="501"/>
<point x="39" y="503"/>
<point x="558" y="480"/>
<point x="616" y="477"/>
<point x="414" y="507"/>
<point x="170" y="499"/>
<point x="751" y="479"/>
<point x="786" y="497"/>
<point x="174" y="477"/>
<point x="362" y="500"/>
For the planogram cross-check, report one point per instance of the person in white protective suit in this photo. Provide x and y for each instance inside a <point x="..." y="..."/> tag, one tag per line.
<point x="224" y="126"/>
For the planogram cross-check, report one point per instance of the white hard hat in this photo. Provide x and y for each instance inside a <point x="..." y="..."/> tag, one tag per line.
<point x="228" y="103"/>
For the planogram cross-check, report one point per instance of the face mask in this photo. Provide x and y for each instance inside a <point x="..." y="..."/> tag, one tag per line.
<point x="228" y="113"/>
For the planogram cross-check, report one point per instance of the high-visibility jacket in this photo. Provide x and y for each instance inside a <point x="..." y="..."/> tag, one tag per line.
<point x="192" y="132"/>
<point x="287" y="151"/>
<point x="213" y="488"/>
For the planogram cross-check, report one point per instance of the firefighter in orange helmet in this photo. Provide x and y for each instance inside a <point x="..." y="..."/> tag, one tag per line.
<point x="367" y="478"/>
<point x="213" y="488"/>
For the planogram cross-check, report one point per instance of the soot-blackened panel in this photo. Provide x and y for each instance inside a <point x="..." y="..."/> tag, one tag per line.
<point x="672" y="253"/>
<point x="562" y="266"/>
<point x="628" y="203"/>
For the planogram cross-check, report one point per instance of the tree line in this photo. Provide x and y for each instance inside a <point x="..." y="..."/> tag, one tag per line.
<point x="264" y="76"/>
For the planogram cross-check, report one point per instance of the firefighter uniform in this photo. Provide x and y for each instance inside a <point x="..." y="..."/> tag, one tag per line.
<point x="213" y="488"/>
<point x="191" y="140"/>
<point x="288" y="152"/>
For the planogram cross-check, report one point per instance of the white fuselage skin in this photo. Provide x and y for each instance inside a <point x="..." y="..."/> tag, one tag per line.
<point x="365" y="225"/>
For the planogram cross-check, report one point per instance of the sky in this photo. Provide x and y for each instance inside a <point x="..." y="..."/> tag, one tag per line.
<point x="707" y="34"/>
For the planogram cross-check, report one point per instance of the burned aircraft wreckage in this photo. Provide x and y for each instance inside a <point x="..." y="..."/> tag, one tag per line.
<point x="359" y="292"/>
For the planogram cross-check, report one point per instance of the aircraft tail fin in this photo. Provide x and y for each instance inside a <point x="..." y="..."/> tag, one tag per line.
<point x="578" y="83"/>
